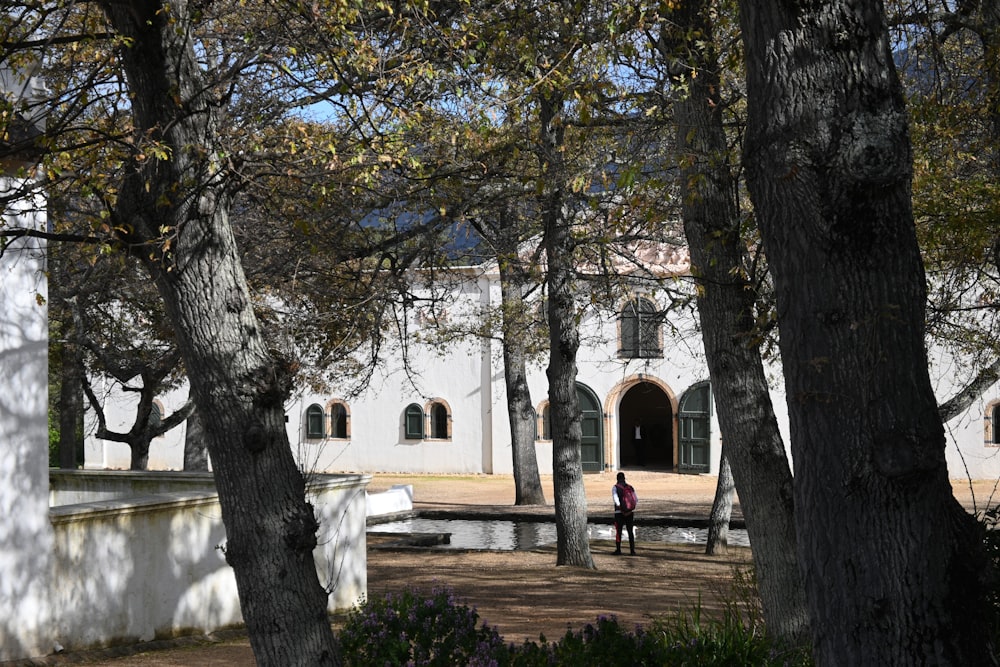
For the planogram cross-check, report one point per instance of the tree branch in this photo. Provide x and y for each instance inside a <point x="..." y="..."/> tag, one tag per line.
<point x="178" y="416"/>
<point x="14" y="234"/>
<point x="964" y="398"/>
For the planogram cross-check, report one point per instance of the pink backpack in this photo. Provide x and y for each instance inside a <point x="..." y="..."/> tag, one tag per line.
<point x="626" y="494"/>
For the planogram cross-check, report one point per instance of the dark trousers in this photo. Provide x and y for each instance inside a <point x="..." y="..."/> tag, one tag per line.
<point x="626" y="519"/>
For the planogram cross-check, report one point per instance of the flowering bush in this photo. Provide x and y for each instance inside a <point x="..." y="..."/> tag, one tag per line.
<point x="410" y="629"/>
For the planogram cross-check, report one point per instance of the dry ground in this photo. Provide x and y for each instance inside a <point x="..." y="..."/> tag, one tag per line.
<point x="521" y="593"/>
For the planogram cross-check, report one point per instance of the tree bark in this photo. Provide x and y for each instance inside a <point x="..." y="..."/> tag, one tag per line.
<point x="70" y="405"/>
<point x="271" y="529"/>
<point x="64" y="350"/>
<point x="893" y="567"/>
<point x="722" y="509"/>
<point x="573" y="541"/>
<point x="195" y="451"/>
<point x="520" y="412"/>
<point x="726" y="302"/>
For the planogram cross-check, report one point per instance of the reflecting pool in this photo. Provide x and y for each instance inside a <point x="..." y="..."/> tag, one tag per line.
<point x="500" y="535"/>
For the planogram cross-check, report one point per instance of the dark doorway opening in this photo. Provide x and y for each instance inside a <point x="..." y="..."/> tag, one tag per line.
<point x="647" y="407"/>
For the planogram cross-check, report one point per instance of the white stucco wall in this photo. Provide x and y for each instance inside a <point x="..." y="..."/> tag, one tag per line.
<point x="25" y="534"/>
<point x="469" y="376"/>
<point x="969" y="454"/>
<point x="971" y="448"/>
<point x="137" y="567"/>
<point x="457" y="375"/>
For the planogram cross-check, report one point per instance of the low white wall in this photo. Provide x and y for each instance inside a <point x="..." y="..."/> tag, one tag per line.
<point x="396" y="500"/>
<point x="138" y="568"/>
<point x="71" y="487"/>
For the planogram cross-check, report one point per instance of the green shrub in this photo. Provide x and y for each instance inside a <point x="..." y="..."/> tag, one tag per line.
<point x="410" y="629"/>
<point x="692" y="640"/>
<point x="605" y="643"/>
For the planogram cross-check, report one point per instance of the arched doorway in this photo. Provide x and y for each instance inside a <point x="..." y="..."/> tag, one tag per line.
<point x="591" y="420"/>
<point x="646" y="406"/>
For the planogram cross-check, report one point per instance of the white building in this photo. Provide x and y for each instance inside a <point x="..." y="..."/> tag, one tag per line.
<point x="445" y="412"/>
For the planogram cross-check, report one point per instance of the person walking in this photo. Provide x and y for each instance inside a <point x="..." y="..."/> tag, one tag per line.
<point x="625" y="500"/>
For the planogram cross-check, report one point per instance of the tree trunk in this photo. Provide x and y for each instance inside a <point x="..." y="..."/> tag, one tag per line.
<point x="195" y="451"/>
<point x="271" y="529"/>
<point x="893" y="567"/>
<point x="573" y="541"/>
<point x="139" y="453"/>
<point x="722" y="509"/>
<point x="726" y="302"/>
<point x="527" y="483"/>
<point x="69" y="356"/>
<point x="70" y="405"/>
<point x="989" y="33"/>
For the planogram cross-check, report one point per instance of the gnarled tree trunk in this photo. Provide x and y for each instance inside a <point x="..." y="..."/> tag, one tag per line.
<point x="893" y="566"/>
<point x="573" y="541"/>
<point x="520" y="412"/>
<point x="726" y="302"/>
<point x="237" y="385"/>
<point x="722" y="509"/>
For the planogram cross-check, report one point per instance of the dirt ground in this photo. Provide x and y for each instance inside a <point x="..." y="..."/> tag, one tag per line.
<point x="522" y="594"/>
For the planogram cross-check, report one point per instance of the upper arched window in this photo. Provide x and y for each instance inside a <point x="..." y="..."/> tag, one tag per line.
<point x="413" y="422"/>
<point x="640" y="330"/>
<point x="314" y="422"/>
<point x="339" y="421"/>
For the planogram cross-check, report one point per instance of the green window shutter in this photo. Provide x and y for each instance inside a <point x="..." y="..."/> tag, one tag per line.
<point x="414" y="422"/>
<point x="640" y="330"/>
<point x="630" y="332"/>
<point x="314" y="422"/>
<point x="694" y="418"/>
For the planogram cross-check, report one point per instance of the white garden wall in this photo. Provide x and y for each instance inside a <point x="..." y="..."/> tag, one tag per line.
<point x="137" y="567"/>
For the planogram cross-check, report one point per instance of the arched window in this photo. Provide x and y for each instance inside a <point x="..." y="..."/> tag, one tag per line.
<point x="314" y="422"/>
<point x="534" y="422"/>
<point x="995" y="419"/>
<point x="992" y="424"/>
<point x="339" y="421"/>
<point x="439" y="421"/>
<point x="155" y="415"/>
<point x="640" y="330"/>
<point x="546" y="424"/>
<point x="413" y="422"/>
